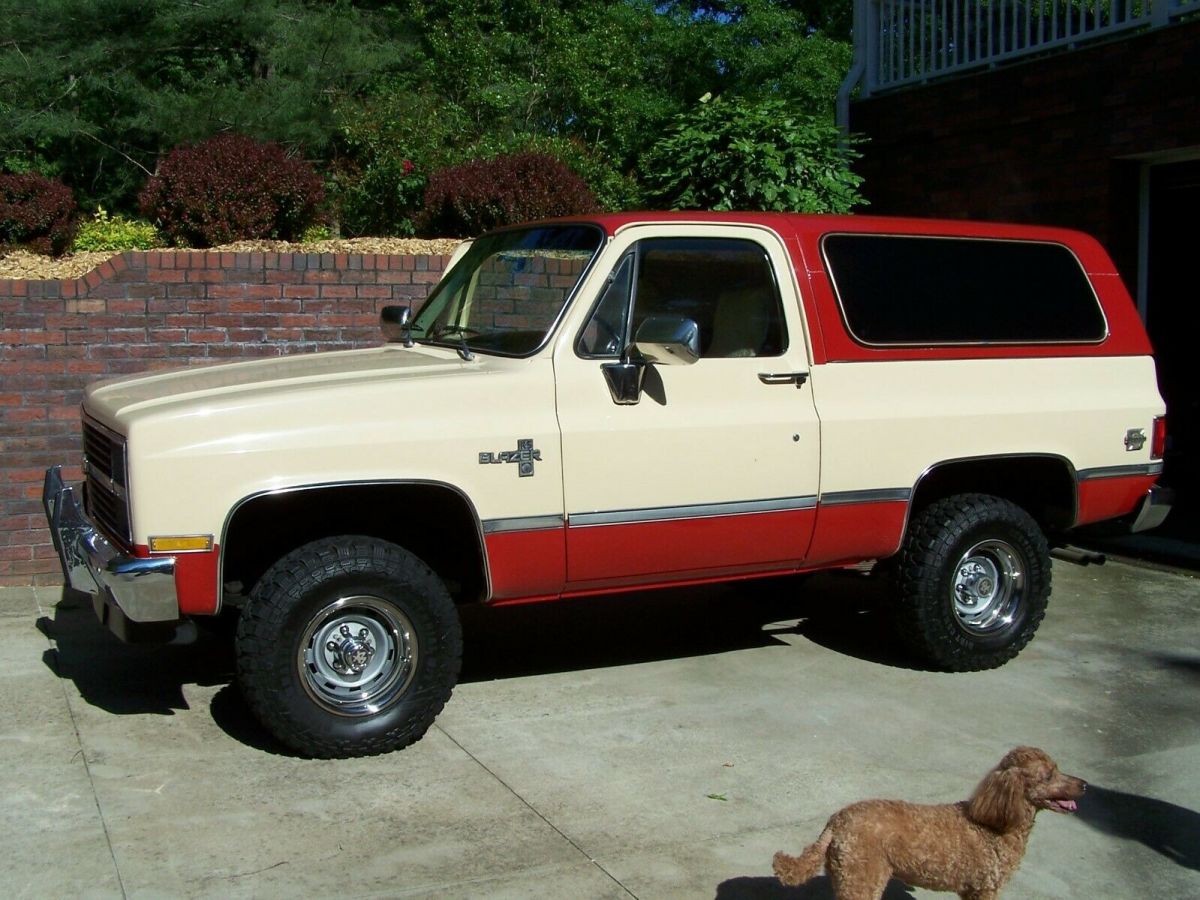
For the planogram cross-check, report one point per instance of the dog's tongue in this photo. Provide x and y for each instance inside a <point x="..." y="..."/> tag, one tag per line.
<point x="1065" y="805"/>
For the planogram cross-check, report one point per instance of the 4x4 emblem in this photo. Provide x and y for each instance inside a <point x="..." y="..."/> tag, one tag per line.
<point x="524" y="456"/>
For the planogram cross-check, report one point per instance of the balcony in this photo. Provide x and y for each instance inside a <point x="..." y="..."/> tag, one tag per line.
<point x="905" y="42"/>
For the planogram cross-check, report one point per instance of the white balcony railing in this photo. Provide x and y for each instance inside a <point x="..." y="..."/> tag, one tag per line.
<point x="901" y="42"/>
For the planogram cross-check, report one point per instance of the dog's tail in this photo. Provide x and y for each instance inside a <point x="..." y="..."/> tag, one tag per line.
<point x="795" y="870"/>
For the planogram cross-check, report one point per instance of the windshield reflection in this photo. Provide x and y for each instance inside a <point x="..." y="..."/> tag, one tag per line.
<point x="509" y="289"/>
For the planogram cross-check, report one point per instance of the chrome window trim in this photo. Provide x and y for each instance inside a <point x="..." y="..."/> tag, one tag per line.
<point x="837" y="293"/>
<point x="635" y="249"/>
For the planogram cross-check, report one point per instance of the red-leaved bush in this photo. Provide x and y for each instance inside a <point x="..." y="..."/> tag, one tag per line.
<point x="36" y="213"/>
<point x="463" y="200"/>
<point x="231" y="187"/>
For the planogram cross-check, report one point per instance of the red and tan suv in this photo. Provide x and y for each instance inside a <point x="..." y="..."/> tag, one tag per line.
<point x="622" y="402"/>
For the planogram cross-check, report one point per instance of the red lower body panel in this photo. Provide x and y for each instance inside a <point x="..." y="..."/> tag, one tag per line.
<point x="852" y="532"/>
<point x="638" y="552"/>
<point x="1111" y="498"/>
<point x="527" y="566"/>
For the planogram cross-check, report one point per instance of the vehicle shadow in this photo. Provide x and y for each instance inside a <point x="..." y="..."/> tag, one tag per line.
<point x="1184" y="665"/>
<point x="148" y="679"/>
<point x="1169" y="830"/>
<point x="751" y="888"/>
<point x="128" y="679"/>
<point x="841" y="611"/>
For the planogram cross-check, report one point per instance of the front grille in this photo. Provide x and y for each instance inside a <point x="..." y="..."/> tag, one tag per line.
<point x="105" y="497"/>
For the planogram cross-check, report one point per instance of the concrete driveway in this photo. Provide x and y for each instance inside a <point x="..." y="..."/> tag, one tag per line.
<point x="650" y="746"/>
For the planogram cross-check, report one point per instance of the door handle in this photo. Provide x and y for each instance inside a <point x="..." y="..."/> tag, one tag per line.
<point x="796" y="378"/>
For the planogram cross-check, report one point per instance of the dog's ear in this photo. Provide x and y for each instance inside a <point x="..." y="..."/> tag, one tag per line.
<point x="999" y="801"/>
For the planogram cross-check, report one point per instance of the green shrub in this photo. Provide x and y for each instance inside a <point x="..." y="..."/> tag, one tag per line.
<point x="751" y="155"/>
<point x="314" y="233"/>
<point x="462" y="201"/>
<point x="229" y="188"/>
<point x="381" y="198"/>
<point x="36" y="213"/>
<point x="389" y="141"/>
<point x="116" y="233"/>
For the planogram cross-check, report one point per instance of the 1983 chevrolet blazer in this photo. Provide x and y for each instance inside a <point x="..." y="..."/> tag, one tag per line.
<point x="620" y="402"/>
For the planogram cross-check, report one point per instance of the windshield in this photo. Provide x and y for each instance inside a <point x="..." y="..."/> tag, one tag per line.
<point x="506" y="293"/>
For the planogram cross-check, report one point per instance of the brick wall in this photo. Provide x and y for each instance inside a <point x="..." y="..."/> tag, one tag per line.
<point x="1054" y="141"/>
<point x="155" y="310"/>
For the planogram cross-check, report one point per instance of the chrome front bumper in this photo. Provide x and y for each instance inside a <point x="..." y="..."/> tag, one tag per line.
<point x="126" y="591"/>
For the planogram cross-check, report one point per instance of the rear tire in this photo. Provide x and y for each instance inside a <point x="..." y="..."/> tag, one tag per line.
<point x="348" y="646"/>
<point x="974" y="582"/>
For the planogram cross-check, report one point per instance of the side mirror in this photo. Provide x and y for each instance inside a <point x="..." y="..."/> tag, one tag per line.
<point x="660" y="340"/>
<point x="668" y="341"/>
<point x="624" y="381"/>
<point x="396" y="324"/>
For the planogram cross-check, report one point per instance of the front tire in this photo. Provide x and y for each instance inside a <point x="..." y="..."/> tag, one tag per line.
<point x="974" y="582"/>
<point x="349" y="646"/>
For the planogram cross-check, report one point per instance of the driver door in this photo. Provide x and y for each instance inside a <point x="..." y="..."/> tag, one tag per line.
<point x="713" y="471"/>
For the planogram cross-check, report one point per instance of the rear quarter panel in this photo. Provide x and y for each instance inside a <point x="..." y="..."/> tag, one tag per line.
<point x="889" y="414"/>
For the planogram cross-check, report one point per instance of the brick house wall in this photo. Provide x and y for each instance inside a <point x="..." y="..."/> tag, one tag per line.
<point x="155" y="310"/>
<point x="1057" y="140"/>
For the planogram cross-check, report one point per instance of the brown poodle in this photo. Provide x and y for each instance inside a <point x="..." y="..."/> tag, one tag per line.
<point x="971" y="848"/>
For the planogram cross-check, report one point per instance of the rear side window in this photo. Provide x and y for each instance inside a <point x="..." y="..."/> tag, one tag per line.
<point x="933" y="290"/>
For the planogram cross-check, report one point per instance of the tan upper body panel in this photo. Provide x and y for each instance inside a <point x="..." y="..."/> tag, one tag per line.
<point x="204" y="440"/>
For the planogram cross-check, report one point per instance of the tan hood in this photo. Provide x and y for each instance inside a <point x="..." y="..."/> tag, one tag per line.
<point x="120" y="400"/>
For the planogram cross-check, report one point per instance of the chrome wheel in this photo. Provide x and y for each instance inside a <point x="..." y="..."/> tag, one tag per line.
<point x="357" y="656"/>
<point x="974" y="580"/>
<point x="988" y="587"/>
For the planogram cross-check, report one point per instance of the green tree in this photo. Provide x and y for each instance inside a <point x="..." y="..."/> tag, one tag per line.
<point x="96" y="91"/>
<point x="732" y="153"/>
<point x="593" y="82"/>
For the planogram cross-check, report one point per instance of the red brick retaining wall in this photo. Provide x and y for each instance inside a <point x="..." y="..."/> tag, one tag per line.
<point x="155" y="310"/>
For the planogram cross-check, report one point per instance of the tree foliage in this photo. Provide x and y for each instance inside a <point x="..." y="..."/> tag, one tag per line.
<point x="98" y="92"/>
<point x="752" y="154"/>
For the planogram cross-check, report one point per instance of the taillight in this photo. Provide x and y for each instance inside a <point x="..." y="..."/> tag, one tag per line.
<point x="1158" y="443"/>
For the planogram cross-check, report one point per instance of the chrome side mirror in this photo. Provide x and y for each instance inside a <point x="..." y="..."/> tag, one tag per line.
<point x="660" y="340"/>
<point x="668" y="340"/>
<point x="396" y="324"/>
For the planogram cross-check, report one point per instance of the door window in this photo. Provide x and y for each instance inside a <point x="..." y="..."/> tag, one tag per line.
<point x="726" y="286"/>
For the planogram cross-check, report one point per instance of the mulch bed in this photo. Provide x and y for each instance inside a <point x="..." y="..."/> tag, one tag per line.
<point x="31" y="266"/>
